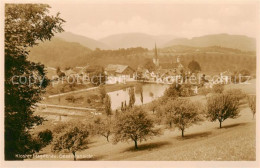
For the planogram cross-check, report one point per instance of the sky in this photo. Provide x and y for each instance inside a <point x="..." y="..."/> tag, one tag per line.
<point x="98" y="20"/>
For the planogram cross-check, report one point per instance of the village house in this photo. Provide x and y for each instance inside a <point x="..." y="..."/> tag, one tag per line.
<point x="119" y="73"/>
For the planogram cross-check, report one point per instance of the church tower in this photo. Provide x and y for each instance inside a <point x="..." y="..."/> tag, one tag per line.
<point x="155" y="58"/>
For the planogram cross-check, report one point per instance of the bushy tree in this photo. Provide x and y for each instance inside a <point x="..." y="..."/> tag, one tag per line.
<point x="104" y="127"/>
<point x="134" y="125"/>
<point x="72" y="138"/>
<point x="252" y="104"/>
<point x="194" y="66"/>
<point x="222" y="106"/>
<point x="149" y="65"/>
<point x="25" y="25"/>
<point x="173" y="91"/>
<point x="182" y="113"/>
<point x="237" y="93"/>
<point x="45" y="137"/>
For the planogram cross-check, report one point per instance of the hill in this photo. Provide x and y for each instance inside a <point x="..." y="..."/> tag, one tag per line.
<point x="85" y="41"/>
<point x="128" y="40"/>
<point x="58" y="52"/>
<point x="223" y="40"/>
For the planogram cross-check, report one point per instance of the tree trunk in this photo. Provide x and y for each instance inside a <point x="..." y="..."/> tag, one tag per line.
<point x="220" y="122"/>
<point x="182" y="132"/>
<point x="107" y="139"/>
<point x="74" y="154"/>
<point x="136" y="147"/>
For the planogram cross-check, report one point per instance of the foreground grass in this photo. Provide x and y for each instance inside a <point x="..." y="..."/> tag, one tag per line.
<point x="234" y="142"/>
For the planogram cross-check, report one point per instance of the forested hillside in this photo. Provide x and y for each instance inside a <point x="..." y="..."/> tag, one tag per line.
<point x="212" y="59"/>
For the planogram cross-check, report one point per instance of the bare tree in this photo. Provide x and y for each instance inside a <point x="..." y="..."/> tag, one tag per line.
<point x="222" y="106"/>
<point x="134" y="125"/>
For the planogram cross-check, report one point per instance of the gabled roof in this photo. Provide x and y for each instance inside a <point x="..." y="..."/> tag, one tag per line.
<point x="116" y="68"/>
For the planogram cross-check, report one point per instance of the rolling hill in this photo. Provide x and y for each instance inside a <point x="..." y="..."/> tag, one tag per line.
<point x="223" y="40"/>
<point x="58" y="52"/>
<point x="85" y="41"/>
<point x="128" y="40"/>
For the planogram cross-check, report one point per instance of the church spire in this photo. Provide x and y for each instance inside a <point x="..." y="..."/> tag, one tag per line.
<point x="155" y="58"/>
<point x="155" y="52"/>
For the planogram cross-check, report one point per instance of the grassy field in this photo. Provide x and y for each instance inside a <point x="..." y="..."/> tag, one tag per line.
<point x="234" y="141"/>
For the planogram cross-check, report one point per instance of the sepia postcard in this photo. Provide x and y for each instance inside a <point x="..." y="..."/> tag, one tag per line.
<point x="148" y="83"/>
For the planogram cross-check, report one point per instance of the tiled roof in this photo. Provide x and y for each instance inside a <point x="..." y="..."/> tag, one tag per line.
<point x="116" y="68"/>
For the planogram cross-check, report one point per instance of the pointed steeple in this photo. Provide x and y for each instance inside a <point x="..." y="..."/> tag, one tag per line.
<point x="155" y="58"/>
<point x="155" y="52"/>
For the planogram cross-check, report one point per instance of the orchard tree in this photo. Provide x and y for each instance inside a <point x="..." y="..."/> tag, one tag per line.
<point x="73" y="138"/>
<point x="252" y="104"/>
<point x="134" y="125"/>
<point x="104" y="127"/>
<point x="25" y="26"/>
<point x="182" y="113"/>
<point x="222" y="106"/>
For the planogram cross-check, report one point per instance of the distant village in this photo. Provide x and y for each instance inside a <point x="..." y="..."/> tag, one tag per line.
<point x="163" y="73"/>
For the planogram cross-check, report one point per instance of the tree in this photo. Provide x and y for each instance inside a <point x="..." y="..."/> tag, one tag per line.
<point x="149" y="65"/>
<point x="72" y="138"/>
<point x="98" y="77"/>
<point x="134" y="125"/>
<point x="218" y="88"/>
<point x="182" y="113"/>
<point x="45" y="137"/>
<point x="103" y="127"/>
<point x="222" y="106"/>
<point x="131" y="93"/>
<point x="194" y="66"/>
<point x="102" y="92"/>
<point x="107" y="102"/>
<point x="252" y="104"/>
<point x="173" y="91"/>
<point x="140" y="90"/>
<point x="25" y="25"/>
